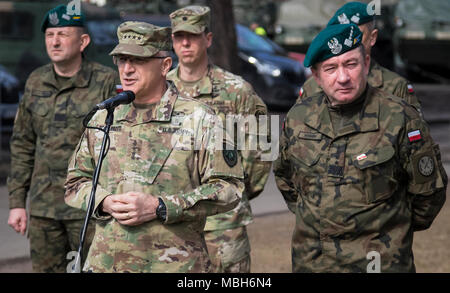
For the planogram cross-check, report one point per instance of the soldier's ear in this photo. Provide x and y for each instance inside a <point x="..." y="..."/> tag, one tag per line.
<point x="166" y="64"/>
<point x="373" y="37"/>
<point x="85" y="39"/>
<point x="209" y="37"/>
<point x="315" y="74"/>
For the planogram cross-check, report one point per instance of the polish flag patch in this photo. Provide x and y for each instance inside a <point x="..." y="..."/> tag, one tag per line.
<point x="361" y="157"/>
<point x="119" y="88"/>
<point x="301" y="92"/>
<point x="410" y="89"/>
<point x="414" y="135"/>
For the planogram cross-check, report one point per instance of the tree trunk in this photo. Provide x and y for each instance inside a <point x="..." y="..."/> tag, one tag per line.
<point x="223" y="51"/>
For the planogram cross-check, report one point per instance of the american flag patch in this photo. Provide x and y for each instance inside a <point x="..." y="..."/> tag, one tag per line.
<point x="119" y="88"/>
<point x="410" y="89"/>
<point x="414" y="135"/>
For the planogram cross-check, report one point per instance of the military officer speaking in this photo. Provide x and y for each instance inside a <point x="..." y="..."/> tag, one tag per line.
<point x="156" y="189"/>
<point x="357" y="166"/>
<point x="379" y="77"/>
<point x="47" y="128"/>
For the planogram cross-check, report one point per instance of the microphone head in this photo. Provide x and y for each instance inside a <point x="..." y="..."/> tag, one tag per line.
<point x="130" y="96"/>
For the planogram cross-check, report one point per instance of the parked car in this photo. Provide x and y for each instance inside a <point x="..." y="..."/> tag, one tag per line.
<point x="10" y="94"/>
<point x="276" y="77"/>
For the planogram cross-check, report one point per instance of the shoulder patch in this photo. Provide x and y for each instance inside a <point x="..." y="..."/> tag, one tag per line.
<point x="425" y="166"/>
<point x="230" y="157"/>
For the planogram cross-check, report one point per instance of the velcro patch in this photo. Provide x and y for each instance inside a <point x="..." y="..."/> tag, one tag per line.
<point x="310" y="135"/>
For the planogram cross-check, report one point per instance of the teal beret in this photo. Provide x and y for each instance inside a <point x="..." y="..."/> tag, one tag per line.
<point x="352" y="12"/>
<point x="332" y="41"/>
<point x="58" y="17"/>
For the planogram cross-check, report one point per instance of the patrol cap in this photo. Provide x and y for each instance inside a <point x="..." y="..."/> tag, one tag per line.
<point x="142" y="39"/>
<point x="193" y="19"/>
<point x="334" y="40"/>
<point x="58" y="17"/>
<point x="352" y="12"/>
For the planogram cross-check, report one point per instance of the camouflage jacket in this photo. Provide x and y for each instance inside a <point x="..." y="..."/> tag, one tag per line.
<point x="379" y="77"/>
<point x="151" y="152"/>
<point x="366" y="188"/>
<point x="229" y="94"/>
<point x="46" y="131"/>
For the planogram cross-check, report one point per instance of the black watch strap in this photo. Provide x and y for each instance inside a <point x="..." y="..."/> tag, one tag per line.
<point x="161" y="211"/>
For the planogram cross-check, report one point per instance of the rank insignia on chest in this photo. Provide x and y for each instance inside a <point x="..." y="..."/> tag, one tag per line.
<point x="414" y="135"/>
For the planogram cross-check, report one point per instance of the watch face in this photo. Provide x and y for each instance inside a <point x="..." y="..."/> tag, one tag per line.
<point x="426" y="166"/>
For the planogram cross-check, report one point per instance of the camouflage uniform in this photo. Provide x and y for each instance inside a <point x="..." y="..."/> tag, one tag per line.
<point x="228" y="94"/>
<point x="192" y="184"/>
<point x="379" y="77"/>
<point x="47" y="128"/>
<point x="365" y="186"/>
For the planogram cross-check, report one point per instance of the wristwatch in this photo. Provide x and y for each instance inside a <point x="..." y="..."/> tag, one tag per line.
<point x="161" y="210"/>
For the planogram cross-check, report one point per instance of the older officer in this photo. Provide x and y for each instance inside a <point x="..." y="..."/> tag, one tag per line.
<point x="379" y="77"/>
<point x="46" y="131"/>
<point x="156" y="188"/>
<point x="227" y="94"/>
<point x="357" y="166"/>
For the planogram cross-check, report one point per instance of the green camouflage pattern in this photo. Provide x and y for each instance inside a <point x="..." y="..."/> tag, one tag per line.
<point x="360" y="188"/>
<point x="379" y="77"/>
<point x="46" y="131"/>
<point x="193" y="19"/>
<point x="142" y="39"/>
<point x="192" y="183"/>
<point x="227" y="93"/>
<point x="52" y="240"/>
<point x="229" y="250"/>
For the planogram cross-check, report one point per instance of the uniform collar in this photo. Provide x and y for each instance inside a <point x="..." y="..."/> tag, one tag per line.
<point x="367" y="121"/>
<point x="203" y="87"/>
<point x="162" y="112"/>
<point x="81" y="80"/>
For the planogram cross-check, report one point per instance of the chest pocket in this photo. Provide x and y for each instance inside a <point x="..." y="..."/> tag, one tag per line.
<point x="80" y="102"/>
<point x="157" y="163"/>
<point x="40" y="104"/>
<point x="376" y="171"/>
<point x="307" y="147"/>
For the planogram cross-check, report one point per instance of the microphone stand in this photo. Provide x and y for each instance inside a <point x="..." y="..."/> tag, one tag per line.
<point x="76" y="268"/>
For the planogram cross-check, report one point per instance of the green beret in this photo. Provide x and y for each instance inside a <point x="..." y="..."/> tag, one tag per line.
<point x="332" y="41"/>
<point x="142" y="39"/>
<point x="58" y="17"/>
<point x="193" y="19"/>
<point x="352" y="12"/>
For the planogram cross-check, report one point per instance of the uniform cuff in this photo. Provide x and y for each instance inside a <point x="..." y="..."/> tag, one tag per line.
<point x="173" y="211"/>
<point x="98" y="214"/>
<point x="17" y="202"/>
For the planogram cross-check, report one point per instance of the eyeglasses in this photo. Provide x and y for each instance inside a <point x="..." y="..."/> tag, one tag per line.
<point x="122" y="59"/>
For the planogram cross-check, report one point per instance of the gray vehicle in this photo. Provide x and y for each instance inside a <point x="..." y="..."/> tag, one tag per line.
<point x="422" y="40"/>
<point x="10" y="93"/>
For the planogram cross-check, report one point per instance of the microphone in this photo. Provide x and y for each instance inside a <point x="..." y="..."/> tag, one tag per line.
<point x="124" y="97"/>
